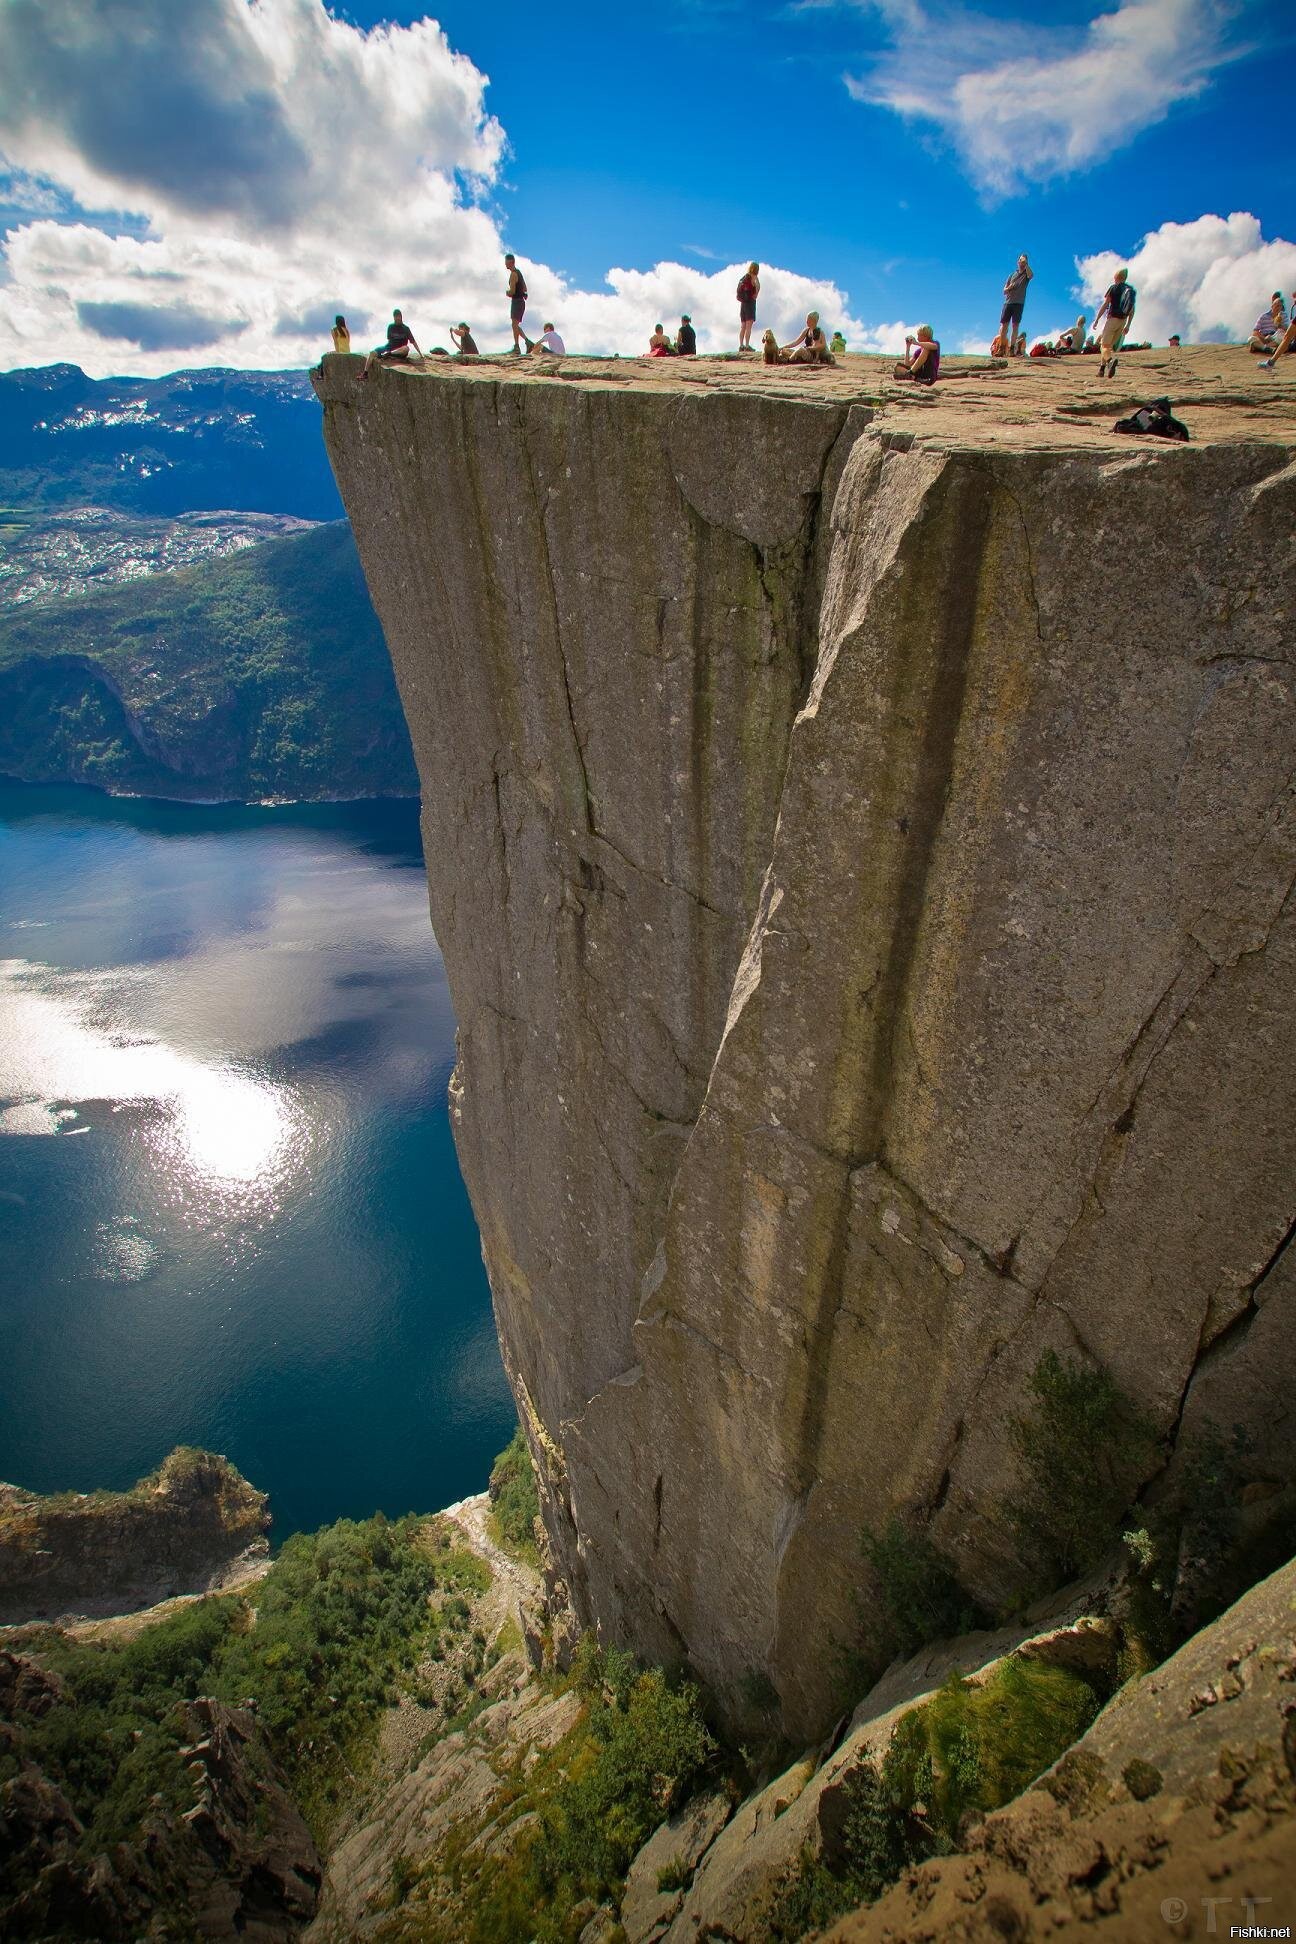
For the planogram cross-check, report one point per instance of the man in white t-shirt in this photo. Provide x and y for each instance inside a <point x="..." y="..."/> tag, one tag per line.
<point x="550" y="341"/>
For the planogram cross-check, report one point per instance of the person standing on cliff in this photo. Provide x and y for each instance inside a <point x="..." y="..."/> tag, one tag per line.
<point x="1010" y="317"/>
<point x="517" y="296"/>
<point x="748" y="292"/>
<point x="1117" y="307"/>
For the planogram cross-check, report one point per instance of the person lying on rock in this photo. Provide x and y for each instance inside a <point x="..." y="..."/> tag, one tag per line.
<point x="397" y="348"/>
<point x="465" y="343"/>
<point x="921" y="361"/>
<point x="811" y="345"/>
<point x="549" y="343"/>
<point x="686" y="338"/>
<point x="659" y="345"/>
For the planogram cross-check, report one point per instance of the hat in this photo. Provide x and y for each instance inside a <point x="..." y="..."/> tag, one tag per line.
<point x="685" y="318"/>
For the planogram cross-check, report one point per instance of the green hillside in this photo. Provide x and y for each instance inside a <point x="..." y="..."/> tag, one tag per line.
<point x="262" y="675"/>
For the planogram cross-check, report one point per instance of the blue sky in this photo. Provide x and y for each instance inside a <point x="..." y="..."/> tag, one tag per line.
<point x="203" y="183"/>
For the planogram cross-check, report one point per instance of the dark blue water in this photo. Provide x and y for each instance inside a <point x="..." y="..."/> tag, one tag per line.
<point x="230" y="1210"/>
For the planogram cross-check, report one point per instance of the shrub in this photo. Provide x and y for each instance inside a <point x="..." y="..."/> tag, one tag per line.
<point x="1082" y="1449"/>
<point x="879" y="1838"/>
<point x="921" y="1599"/>
<point x="514" y="1498"/>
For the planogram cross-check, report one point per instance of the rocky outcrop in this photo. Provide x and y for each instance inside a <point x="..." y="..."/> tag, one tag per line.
<point x="178" y="1531"/>
<point x="238" y="1861"/>
<point x="860" y="844"/>
<point x="1175" y="1816"/>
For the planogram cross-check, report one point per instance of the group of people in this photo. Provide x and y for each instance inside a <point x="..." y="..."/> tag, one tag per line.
<point x="1106" y="335"/>
<point x="1274" y="333"/>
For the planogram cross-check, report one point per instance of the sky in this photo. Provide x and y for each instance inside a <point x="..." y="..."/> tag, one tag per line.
<point x="206" y="182"/>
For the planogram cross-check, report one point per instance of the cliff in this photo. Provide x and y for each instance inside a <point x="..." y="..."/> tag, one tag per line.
<point x="858" y="836"/>
<point x="177" y="1531"/>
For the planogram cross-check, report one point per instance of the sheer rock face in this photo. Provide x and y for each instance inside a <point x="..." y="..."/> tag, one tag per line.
<point x="864" y="868"/>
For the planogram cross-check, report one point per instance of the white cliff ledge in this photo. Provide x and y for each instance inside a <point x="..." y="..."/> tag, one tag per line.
<point x="858" y="835"/>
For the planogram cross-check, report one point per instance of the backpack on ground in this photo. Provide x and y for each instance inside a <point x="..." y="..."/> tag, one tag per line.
<point x="1155" y="421"/>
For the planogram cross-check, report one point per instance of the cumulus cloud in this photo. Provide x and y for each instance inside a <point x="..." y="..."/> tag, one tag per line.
<point x="270" y="165"/>
<point x="1210" y="278"/>
<point x="1022" y="101"/>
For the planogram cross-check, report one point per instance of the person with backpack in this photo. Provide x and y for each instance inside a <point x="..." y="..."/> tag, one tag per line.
<point x="748" y="292"/>
<point x="517" y="296"/>
<point x="1117" y="308"/>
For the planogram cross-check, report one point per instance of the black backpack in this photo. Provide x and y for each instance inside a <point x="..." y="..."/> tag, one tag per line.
<point x="1154" y="421"/>
<point x="1123" y="299"/>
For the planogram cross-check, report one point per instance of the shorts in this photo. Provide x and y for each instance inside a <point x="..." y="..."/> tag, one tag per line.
<point x="747" y="311"/>
<point x="393" y="351"/>
<point x="1112" y="333"/>
<point x="1012" y="314"/>
<point x="517" y="309"/>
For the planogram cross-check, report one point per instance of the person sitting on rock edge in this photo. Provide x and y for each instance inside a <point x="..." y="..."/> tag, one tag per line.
<point x="659" y="345"/>
<point x="686" y="340"/>
<point x="1269" y="327"/>
<point x="810" y="346"/>
<point x="341" y="336"/>
<point x="838" y="345"/>
<point x="921" y="362"/>
<point x="1286" y="343"/>
<point x="549" y="344"/>
<point x="465" y="343"/>
<point x="397" y="348"/>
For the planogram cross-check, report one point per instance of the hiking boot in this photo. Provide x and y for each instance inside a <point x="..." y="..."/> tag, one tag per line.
<point x="1102" y="367"/>
<point x="1266" y="364"/>
<point x="1111" y="369"/>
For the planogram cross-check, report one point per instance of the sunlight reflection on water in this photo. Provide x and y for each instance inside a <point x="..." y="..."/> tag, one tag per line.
<point x="259" y="1240"/>
<point x="68" y="1048"/>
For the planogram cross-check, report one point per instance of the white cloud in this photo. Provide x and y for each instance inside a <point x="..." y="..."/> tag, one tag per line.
<point x="270" y="164"/>
<point x="1208" y="278"/>
<point x="1023" y="101"/>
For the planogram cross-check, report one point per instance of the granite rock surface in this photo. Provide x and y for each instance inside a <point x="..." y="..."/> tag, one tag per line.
<point x="860" y="838"/>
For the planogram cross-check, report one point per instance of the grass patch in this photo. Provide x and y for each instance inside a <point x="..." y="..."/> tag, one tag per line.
<point x="970" y="1749"/>
<point x="515" y="1503"/>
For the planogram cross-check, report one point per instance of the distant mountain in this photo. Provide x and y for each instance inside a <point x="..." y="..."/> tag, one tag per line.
<point x="263" y="674"/>
<point x="243" y="441"/>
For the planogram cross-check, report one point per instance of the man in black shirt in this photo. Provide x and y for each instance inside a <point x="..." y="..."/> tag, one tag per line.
<point x="397" y="348"/>
<point x="686" y="342"/>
